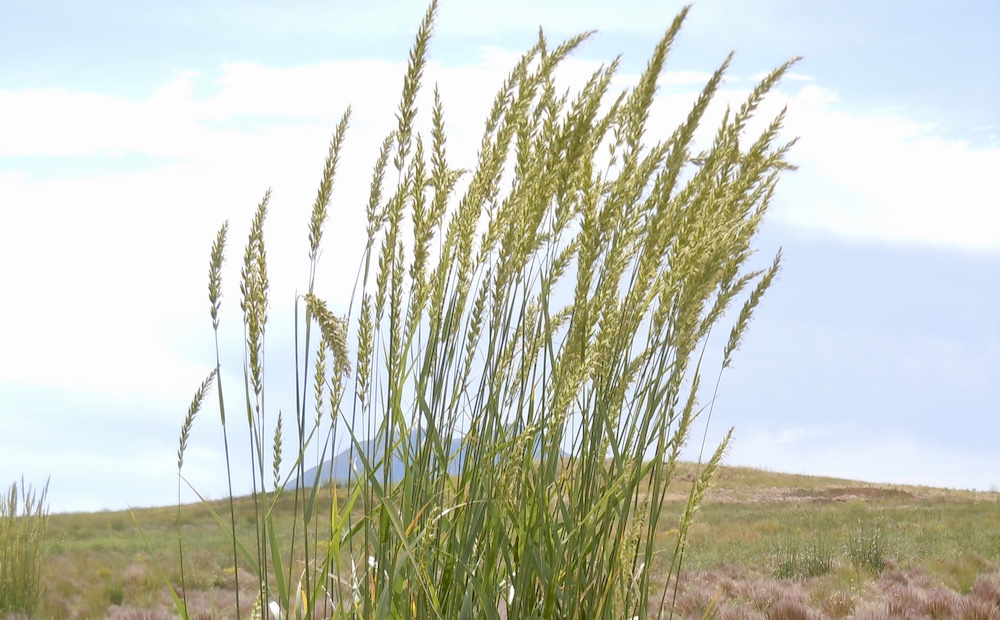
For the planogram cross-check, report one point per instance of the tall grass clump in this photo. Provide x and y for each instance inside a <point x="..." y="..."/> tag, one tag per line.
<point x="868" y="545"/>
<point x="23" y="520"/>
<point x="522" y="358"/>
<point x="802" y="555"/>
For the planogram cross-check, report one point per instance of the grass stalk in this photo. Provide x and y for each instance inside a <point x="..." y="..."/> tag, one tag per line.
<point x="23" y="521"/>
<point x="521" y="389"/>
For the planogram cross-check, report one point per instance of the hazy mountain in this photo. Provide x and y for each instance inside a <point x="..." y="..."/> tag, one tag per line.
<point x="348" y="462"/>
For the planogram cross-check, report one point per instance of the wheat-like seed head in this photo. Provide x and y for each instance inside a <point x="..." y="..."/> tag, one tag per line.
<point x="215" y="273"/>
<point x="641" y="97"/>
<point x="334" y="332"/>
<point x="253" y="288"/>
<point x="366" y="329"/>
<point x="396" y="305"/>
<point x="192" y="412"/>
<point x="746" y="312"/>
<point x="336" y="396"/>
<point x="276" y="455"/>
<point x="319" y="380"/>
<point x="374" y="210"/>
<point x="443" y="178"/>
<point x="411" y="85"/>
<point x="322" y="202"/>
<point x="423" y="226"/>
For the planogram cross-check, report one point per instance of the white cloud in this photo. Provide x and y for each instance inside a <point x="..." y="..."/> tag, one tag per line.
<point x="866" y="175"/>
<point x="882" y="177"/>
<point x="118" y="252"/>
<point x="109" y="289"/>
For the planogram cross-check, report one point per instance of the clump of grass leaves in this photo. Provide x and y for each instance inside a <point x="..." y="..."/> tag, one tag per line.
<point x="868" y="546"/>
<point x="23" y="520"/>
<point x="527" y="347"/>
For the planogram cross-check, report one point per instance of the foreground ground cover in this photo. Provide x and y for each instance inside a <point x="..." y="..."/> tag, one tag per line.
<point x="765" y="545"/>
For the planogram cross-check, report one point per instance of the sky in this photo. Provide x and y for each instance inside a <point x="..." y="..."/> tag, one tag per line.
<point x="131" y="130"/>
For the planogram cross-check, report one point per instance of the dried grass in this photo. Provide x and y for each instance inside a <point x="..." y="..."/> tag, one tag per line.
<point x="986" y="588"/>
<point x="975" y="609"/>
<point x="839" y="605"/>
<point x="940" y="603"/>
<point x="790" y="609"/>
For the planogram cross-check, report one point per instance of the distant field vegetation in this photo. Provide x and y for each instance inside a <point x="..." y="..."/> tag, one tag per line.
<point x="765" y="545"/>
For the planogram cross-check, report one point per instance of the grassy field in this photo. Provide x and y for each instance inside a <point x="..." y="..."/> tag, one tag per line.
<point x="765" y="545"/>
